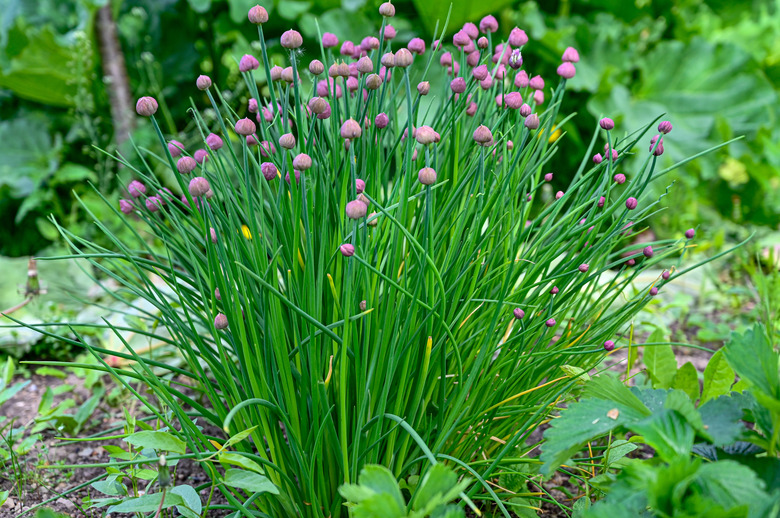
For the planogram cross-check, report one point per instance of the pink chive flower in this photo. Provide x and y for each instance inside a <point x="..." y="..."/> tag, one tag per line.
<point x="351" y="129"/>
<point x="126" y="206"/>
<point x="480" y="72"/>
<point x="200" y="156"/>
<point x="690" y="233"/>
<point x="257" y="15"/>
<point x="154" y="203"/>
<point x="536" y="82"/>
<point x="214" y="142"/>
<point x="583" y="268"/>
<point x="607" y="124"/>
<point x="566" y="70"/>
<point x="136" y="189"/>
<point x="488" y="24"/>
<point x="517" y="37"/>
<point x="570" y="55"/>
<point x="175" y="148"/>
<point x="532" y="121"/>
<point x="245" y="127"/>
<point x="198" y="186"/>
<point x="356" y="209"/>
<point x="619" y="178"/>
<point x="550" y="322"/>
<point x="330" y="40"/>
<point x="203" y="82"/>
<point x="521" y="79"/>
<point x="525" y="110"/>
<point x="458" y="85"/>
<point x="347" y="250"/>
<point x="146" y="106"/>
<point x="631" y="203"/>
<point x="186" y="165"/>
<point x="248" y="63"/>
<point x="597" y="158"/>
<point x="220" y="322"/>
<point x="609" y="345"/>
<point x="416" y="45"/>
<point x="269" y="171"/>
<point x="664" y="127"/>
<point x="291" y="39"/>
<point x="518" y="313"/>
<point x="548" y="177"/>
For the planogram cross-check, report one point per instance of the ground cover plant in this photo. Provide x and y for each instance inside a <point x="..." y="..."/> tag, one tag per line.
<point x="367" y="267"/>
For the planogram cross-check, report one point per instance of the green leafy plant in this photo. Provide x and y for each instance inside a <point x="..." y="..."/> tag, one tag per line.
<point x="377" y="493"/>
<point x="371" y="292"/>
<point x="706" y="459"/>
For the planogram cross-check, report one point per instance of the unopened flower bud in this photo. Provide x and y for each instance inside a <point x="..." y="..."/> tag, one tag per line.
<point x="516" y="59"/>
<point x="648" y="252"/>
<point x="175" y="148"/>
<point x="461" y="39"/>
<point x="471" y="110"/>
<point x="550" y="322"/>
<point x="347" y="250"/>
<point x="200" y="156"/>
<point x="330" y="40"/>
<point x="417" y="46"/>
<point x="606" y="123"/>
<point x="316" y="67"/>
<point x="373" y="81"/>
<point x="480" y="72"/>
<point x="302" y="162"/>
<point x="664" y="127"/>
<point x="609" y="345"/>
<point x="521" y="79"/>
<point x="566" y="70"/>
<point x="153" y="203"/>
<point x="245" y="127"/>
<point x="389" y="33"/>
<point x="258" y="15"/>
<point x="269" y="170"/>
<point x="597" y="158"/>
<point x="220" y="321"/>
<point x="362" y="305"/>
<point x="570" y="55"/>
<point x="532" y="121"/>
<point x="631" y="203"/>
<point x="186" y="165"/>
<point x="583" y="267"/>
<point x="538" y="97"/>
<point x="403" y="58"/>
<point x="387" y="10"/>
<point x="559" y="195"/>
<point x="291" y="39"/>
<point x="351" y="129"/>
<point x="203" y="82"/>
<point x="653" y="291"/>
<point x="690" y="233"/>
<point x="126" y="206"/>
<point x="372" y="220"/>
<point x="488" y="24"/>
<point x="536" y="82"/>
<point x="548" y="177"/>
<point x="554" y="290"/>
<point x="458" y="85"/>
<point x="525" y="110"/>
<point x="483" y="136"/>
<point x="356" y="209"/>
<point x="423" y="87"/>
<point x="146" y="106"/>
<point x="287" y="141"/>
<point x="518" y="313"/>
<point x="248" y="63"/>
<point x="620" y="178"/>
<point x="427" y="176"/>
<point x="483" y="43"/>
<point x="136" y="189"/>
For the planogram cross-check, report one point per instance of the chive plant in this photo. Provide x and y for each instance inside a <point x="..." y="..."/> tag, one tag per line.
<point x="366" y="265"/>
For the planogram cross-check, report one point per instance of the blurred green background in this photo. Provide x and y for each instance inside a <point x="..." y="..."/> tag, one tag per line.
<point x="70" y="71"/>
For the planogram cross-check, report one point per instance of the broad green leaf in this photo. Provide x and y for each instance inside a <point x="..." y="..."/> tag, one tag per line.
<point x="731" y="484"/>
<point x="378" y="505"/>
<point x="753" y="358"/>
<point x="11" y="391"/>
<point x="157" y="440"/>
<point x="437" y="481"/>
<point x="240" y="436"/>
<point x="70" y="173"/>
<point x="667" y="432"/>
<point x="454" y="511"/>
<point x="687" y="380"/>
<point x="239" y="460"/>
<point x="576" y="372"/>
<point x="191" y="499"/>
<point x="355" y="493"/>
<point x="718" y="377"/>
<point x="3" y="497"/>
<point x="249" y="481"/>
<point x="381" y="480"/>
<point x="660" y="361"/>
<point x="617" y="450"/>
<point x="722" y="418"/>
<point x="28" y="155"/>
<point x="679" y="401"/>
<point x="148" y="503"/>
<point x="583" y="421"/>
<point x="611" y="388"/>
<point x="110" y="487"/>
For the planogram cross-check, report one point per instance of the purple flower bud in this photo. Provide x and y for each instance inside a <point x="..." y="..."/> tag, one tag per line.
<point x="538" y="97"/>
<point x="220" y="321"/>
<point x="554" y="290"/>
<point x="631" y="203"/>
<point x="566" y="70"/>
<point x="291" y="39"/>
<point x="480" y="72"/>
<point x="606" y="123"/>
<point x="213" y="235"/>
<point x="288" y="75"/>
<point x="297" y="177"/>
<point x="200" y="156"/>
<point x="362" y="305"/>
<point x="583" y="267"/>
<point x="620" y="178"/>
<point x="146" y="106"/>
<point x="373" y="81"/>
<point x="597" y="158"/>
<point x="372" y="220"/>
<point x="269" y="170"/>
<point x="186" y="165"/>
<point x="548" y="177"/>
<point x="351" y="129"/>
<point x="203" y="82"/>
<point x="471" y="110"/>
<point x="426" y="135"/>
<point x="245" y="127"/>
<point x="488" y="24"/>
<point x="427" y="176"/>
<point x="559" y="195"/>
<point x="387" y="10"/>
<point x="471" y="29"/>
<point x="302" y="162"/>
<point x="316" y="67"/>
<point x="199" y="186"/>
<point x="416" y="46"/>
<point x="601" y="202"/>
<point x="389" y="33"/>
<point x="631" y="262"/>
<point x="248" y="63"/>
<point x="525" y="110"/>
<point x="330" y="40"/>
<point x="690" y="233"/>
<point x="364" y="200"/>
<point x="653" y="291"/>
<point x="648" y="252"/>
<point x="536" y="82"/>
<point x="518" y="313"/>
<point x="356" y="209"/>
<point x="532" y="121"/>
<point x="513" y="100"/>
<point x="126" y="206"/>
<point x="609" y="345"/>
<point x="423" y="88"/>
<point x="461" y="39"/>
<point x="287" y="141"/>
<point x="483" y="43"/>
<point x="347" y="250"/>
<point x="360" y="186"/>
<point x="154" y="203"/>
<point x="403" y="58"/>
<point x="516" y="59"/>
<point x="258" y="15"/>
<point x="517" y="37"/>
<point x="570" y="55"/>
<point x="550" y="323"/>
<point x="458" y="85"/>
<point x="483" y="136"/>
<point x="664" y="127"/>
<point x="521" y="79"/>
<point x="216" y="294"/>
<point x="381" y="121"/>
<point x="175" y="148"/>
<point x="136" y="188"/>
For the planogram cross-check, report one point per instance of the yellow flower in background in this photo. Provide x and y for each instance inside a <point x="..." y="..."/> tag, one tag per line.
<point x="555" y="135"/>
<point x="245" y="230"/>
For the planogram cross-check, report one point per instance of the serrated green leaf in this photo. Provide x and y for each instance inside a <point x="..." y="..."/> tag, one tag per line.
<point x="722" y="418"/>
<point x="583" y="421"/>
<point x="355" y="493"/>
<point x="617" y="450"/>
<point x="753" y="358"/>
<point x="155" y="440"/>
<point x="718" y="377"/>
<point x="687" y="380"/>
<point x="148" y="503"/>
<point x="249" y="481"/>
<point x="378" y="505"/>
<point x="610" y="388"/>
<point x="381" y="480"/>
<point x="667" y="432"/>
